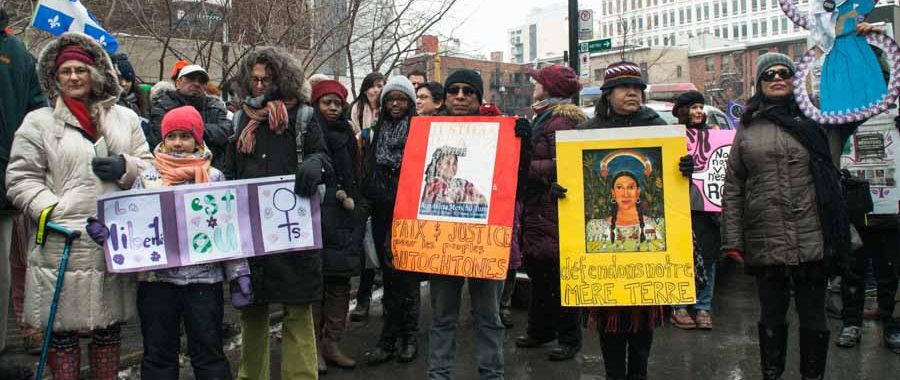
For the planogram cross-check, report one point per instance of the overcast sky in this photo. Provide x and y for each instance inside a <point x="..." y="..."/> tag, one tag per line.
<point x="482" y="25"/>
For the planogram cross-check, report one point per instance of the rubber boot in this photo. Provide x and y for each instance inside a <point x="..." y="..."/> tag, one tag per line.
<point x="64" y="363"/>
<point x="104" y="361"/>
<point x="813" y="353"/>
<point x="772" y="350"/>
<point x="333" y="354"/>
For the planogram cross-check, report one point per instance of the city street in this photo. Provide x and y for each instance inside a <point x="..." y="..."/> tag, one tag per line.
<point x="728" y="352"/>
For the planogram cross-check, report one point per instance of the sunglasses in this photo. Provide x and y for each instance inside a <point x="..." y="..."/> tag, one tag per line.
<point x="467" y="91"/>
<point x="769" y="75"/>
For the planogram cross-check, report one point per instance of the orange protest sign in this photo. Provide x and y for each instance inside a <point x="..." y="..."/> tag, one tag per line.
<point x="456" y="196"/>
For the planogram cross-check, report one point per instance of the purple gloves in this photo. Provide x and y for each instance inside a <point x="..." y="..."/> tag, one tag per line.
<point x="97" y="230"/>
<point x="241" y="293"/>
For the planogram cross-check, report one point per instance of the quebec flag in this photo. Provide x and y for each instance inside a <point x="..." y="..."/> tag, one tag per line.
<point x="60" y="16"/>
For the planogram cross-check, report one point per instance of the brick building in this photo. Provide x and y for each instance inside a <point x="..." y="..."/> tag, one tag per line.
<point x="506" y="84"/>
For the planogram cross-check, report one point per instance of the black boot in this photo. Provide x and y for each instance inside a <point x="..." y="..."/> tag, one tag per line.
<point x="813" y="353"/>
<point x="381" y="354"/>
<point x="408" y="349"/>
<point x="772" y="350"/>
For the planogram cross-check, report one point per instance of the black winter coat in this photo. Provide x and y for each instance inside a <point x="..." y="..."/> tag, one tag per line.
<point x="342" y="230"/>
<point x="291" y="278"/>
<point x="217" y="127"/>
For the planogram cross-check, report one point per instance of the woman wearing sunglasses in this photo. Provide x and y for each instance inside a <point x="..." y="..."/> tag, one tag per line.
<point x="784" y="216"/>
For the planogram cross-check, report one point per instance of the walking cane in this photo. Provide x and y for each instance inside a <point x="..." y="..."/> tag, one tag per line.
<point x="70" y="237"/>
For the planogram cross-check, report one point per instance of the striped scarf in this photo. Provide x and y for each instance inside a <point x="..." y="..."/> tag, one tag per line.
<point x="274" y="112"/>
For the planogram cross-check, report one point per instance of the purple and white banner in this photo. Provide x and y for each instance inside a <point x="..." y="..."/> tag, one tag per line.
<point x="193" y="224"/>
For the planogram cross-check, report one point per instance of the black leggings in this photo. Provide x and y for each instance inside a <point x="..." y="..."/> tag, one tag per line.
<point x="626" y="354"/>
<point x="809" y="282"/>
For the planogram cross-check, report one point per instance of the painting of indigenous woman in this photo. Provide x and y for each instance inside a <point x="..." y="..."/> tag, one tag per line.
<point x="623" y="198"/>
<point x="443" y="187"/>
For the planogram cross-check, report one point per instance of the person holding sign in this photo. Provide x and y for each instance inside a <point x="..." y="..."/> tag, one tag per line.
<point x="547" y="320"/>
<point x="784" y="215"/>
<point x="192" y="294"/>
<point x="688" y="109"/>
<point x="465" y="89"/>
<point x="383" y="159"/>
<point x="626" y="333"/>
<point x="275" y="137"/>
<point x="62" y="159"/>
<point x="343" y="222"/>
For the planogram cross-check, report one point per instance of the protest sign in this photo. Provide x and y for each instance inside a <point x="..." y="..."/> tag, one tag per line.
<point x="625" y="225"/>
<point x="185" y="225"/>
<point x="455" y="200"/>
<point x="710" y="149"/>
<point x="872" y="154"/>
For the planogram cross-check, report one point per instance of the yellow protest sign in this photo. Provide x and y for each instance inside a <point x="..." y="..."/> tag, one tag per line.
<point x="625" y="224"/>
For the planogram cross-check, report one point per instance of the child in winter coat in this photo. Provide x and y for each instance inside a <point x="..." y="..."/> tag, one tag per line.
<point x="343" y="222"/>
<point x="192" y="294"/>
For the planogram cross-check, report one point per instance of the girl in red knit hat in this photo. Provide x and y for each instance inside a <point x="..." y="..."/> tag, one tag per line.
<point x="192" y="294"/>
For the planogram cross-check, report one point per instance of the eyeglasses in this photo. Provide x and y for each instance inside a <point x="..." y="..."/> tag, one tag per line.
<point x="78" y="71"/>
<point x="769" y="75"/>
<point x="402" y="99"/>
<point x="466" y="90"/>
<point x="263" y="80"/>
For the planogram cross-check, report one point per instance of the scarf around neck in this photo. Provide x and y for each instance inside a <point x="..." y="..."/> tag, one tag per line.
<point x="80" y="110"/>
<point x="274" y="113"/>
<point x="391" y="141"/>
<point x="830" y="202"/>
<point x="180" y="168"/>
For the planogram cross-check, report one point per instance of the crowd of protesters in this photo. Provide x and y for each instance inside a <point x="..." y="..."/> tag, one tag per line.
<point x="782" y="216"/>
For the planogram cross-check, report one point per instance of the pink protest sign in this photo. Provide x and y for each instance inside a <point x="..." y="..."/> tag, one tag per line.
<point x="193" y="224"/>
<point x="710" y="148"/>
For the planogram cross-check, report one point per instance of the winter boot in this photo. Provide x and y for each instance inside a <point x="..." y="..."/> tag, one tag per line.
<point x="104" y="361"/>
<point x="408" y="348"/>
<point x="332" y="354"/>
<point x="320" y="358"/>
<point x="64" y="363"/>
<point x="772" y="350"/>
<point x="850" y="336"/>
<point x="813" y="353"/>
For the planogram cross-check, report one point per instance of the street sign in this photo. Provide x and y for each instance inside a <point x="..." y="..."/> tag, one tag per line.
<point x="595" y="45"/>
<point x="585" y="24"/>
<point x="585" y="65"/>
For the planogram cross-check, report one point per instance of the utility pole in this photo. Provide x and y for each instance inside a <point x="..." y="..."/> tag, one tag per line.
<point x="573" y="40"/>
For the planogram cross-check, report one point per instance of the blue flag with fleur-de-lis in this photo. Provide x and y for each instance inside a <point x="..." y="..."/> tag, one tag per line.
<point x="60" y="16"/>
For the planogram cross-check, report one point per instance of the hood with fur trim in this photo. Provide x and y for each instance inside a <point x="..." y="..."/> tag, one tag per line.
<point x="104" y="88"/>
<point x="569" y="111"/>
<point x="289" y="80"/>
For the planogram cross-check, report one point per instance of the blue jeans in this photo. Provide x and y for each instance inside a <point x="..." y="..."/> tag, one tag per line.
<point x="446" y="293"/>
<point x="705" y="293"/>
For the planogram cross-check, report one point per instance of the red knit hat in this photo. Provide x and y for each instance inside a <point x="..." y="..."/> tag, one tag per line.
<point x="73" y="52"/>
<point x="184" y="118"/>
<point x="559" y="81"/>
<point x="329" y="86"/>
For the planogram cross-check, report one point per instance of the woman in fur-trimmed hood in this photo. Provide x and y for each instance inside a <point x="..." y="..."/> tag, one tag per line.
<point x="555" y="86"/>
<point x="55" y="174"/>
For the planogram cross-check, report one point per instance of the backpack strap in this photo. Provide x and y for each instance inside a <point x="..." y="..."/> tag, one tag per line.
<point x="301" y="126"/>
<point x="236" y="121"/>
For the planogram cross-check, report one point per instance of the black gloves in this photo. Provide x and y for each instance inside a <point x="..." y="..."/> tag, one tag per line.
<point x="309" y="176"/>
<point x="557" y="190"/>
<point x="523" y="128"/>
<point x="686" y="165"/>
<point x="109" y="168"/>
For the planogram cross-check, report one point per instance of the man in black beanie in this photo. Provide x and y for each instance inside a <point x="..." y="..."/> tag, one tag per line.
<point x="465" y="89"/>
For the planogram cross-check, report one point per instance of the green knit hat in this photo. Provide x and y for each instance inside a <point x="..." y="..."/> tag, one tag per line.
<point x="765" y="61"/>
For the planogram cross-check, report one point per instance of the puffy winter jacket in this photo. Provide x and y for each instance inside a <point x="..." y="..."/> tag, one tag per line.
<point x="51" y="165"/>
<point x="540" y="222"/>
<point x="769" y="202"/>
